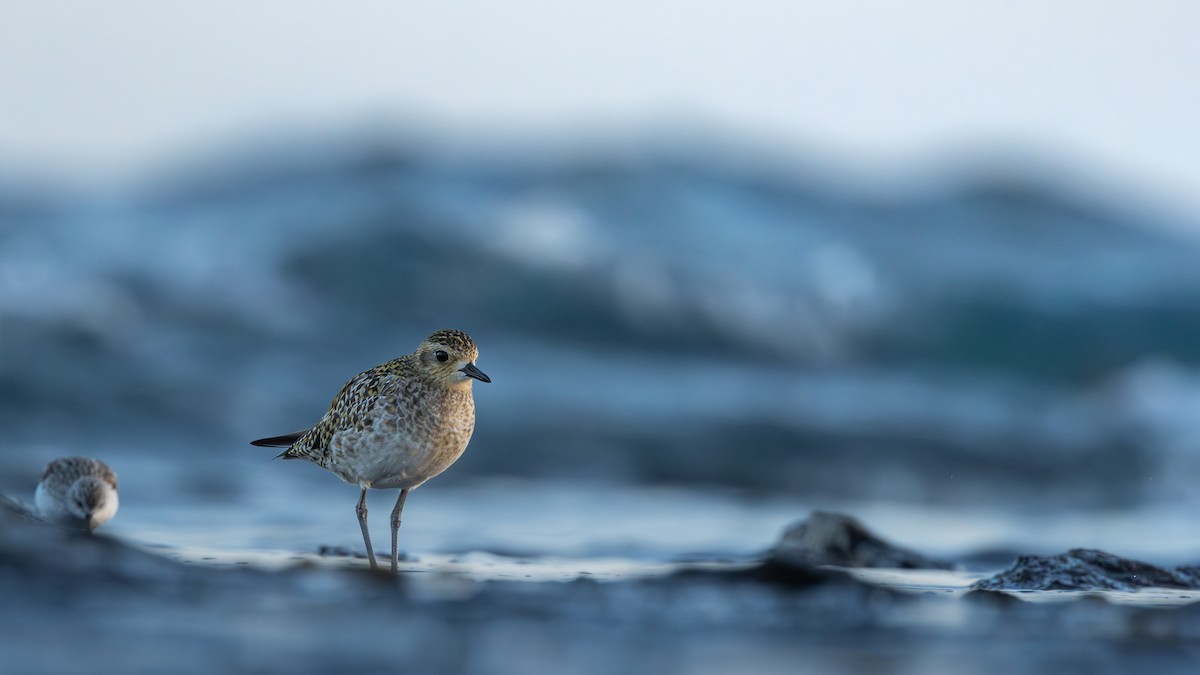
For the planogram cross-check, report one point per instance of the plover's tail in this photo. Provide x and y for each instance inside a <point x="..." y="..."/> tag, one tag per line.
<point x="284" y="441"/>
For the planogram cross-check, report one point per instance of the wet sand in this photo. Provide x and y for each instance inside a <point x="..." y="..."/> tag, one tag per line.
<point x="73" y="601"/>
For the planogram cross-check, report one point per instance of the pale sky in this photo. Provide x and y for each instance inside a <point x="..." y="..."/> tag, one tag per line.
<point x="119" y="86"/>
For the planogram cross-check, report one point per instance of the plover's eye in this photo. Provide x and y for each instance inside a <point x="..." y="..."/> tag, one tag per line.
<point x="441" y="356"/>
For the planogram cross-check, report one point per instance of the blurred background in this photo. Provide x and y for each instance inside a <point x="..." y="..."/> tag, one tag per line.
<point x="931" y="256"/>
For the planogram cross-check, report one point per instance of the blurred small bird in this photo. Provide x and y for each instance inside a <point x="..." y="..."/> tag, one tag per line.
<point x="77" y="492"/>
<point x="396" y="425"/>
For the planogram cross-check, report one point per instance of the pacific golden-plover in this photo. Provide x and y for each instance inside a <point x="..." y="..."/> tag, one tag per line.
<point x="396" y="425"/>
<point x="77" y="492"/>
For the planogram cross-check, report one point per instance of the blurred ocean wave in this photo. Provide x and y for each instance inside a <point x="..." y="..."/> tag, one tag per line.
<point x="657" y="315"/>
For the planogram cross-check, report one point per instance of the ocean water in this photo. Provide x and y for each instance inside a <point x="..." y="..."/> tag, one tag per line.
<point x="690" y="349"/>
<point x="650" y="317"/>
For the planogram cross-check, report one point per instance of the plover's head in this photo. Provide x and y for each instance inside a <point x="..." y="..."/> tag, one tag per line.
<point x="92" y="502"/>
<point x="448" y="357"/>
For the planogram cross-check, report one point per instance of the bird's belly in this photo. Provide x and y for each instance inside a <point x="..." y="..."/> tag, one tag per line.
<point x="48" y="505"/>
<point x="410" y="474"/>
<point x="392" y="461"/>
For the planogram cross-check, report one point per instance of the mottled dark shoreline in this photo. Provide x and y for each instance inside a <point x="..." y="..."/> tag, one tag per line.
<point x="101" y="601"/>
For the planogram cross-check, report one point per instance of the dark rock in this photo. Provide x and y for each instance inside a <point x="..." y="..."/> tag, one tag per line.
<point x="784" y="573"/>
<point x="327" y="551"/>
<point x="774" y="572"/>
<point x="1084" y="569"/>
<point x="1192" y="571"/>
<point x="990" y="598"/>
<point x="838" y="539"/>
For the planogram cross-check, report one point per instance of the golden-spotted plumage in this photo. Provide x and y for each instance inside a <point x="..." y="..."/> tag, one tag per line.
<point x="396" y="425"/>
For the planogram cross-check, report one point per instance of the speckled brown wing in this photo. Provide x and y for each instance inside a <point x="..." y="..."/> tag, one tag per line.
<point x="71" y="469"/>
<point x="350" y="410"/>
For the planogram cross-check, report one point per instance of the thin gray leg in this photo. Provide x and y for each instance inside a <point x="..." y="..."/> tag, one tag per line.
<point x="361" y="510"/>
<point x="396" y="529"/>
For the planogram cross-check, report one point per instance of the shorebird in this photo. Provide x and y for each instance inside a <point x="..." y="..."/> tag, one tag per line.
<point x="77" y="492"/>
<point x="396" y="425"/>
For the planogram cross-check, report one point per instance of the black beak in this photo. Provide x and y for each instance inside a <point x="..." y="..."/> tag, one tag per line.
<point x="472" y="371"/>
